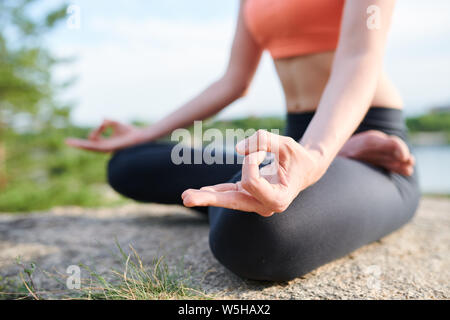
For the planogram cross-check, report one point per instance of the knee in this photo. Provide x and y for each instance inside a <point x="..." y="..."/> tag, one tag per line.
<point x="117" y="173"/>
<point x="125" y="175"/>
<point x="139" y="177"/>
<point x="254" y="247"/>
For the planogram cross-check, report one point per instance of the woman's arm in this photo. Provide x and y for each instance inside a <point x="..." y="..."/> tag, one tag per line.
<point x="345" y="101"/>
<point x="244" y="59"/>
<point x="352" y="83"/>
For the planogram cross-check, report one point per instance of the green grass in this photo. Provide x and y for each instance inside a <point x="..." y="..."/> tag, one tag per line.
<point x="134" y="281"/>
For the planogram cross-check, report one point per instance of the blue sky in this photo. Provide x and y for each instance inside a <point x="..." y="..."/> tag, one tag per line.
<point x="141" y="59"/>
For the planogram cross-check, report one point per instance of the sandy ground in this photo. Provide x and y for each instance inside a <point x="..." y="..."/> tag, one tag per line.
<point x="411" y="263"/>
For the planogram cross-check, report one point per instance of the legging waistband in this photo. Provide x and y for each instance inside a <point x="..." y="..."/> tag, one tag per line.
<point x="388" y="120"/>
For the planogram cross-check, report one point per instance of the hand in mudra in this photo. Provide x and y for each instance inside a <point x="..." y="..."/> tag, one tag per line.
<point x="123" y="135"/>
<point x="265" y="190"/>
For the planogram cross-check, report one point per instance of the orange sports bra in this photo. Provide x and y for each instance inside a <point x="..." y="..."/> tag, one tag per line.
<point x="294" y="27"/>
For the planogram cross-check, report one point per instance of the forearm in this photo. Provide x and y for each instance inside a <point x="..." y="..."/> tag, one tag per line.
<point x="209" y="102"/>
<point x="344" y="103"/>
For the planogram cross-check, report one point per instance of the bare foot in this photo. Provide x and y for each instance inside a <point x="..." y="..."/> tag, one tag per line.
<point x="377" y="148"/>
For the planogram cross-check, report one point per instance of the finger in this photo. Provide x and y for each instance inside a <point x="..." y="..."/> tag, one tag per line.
<point x="375" y="157"/>
<point x="259" y="141"/>
<point x="403" y="170"/>
<point x="221" y="187"/>
<point x="86" y="145"/>
<point x="81" y="144"/>
<point x="251" y="180"/>
<point x="117" y="127"/>
<point x="96" y="134"/>
<point x="232" y="200"/>
<point x="251" y="164"/>
<point x="401" y="151"/>
<point x="412" y="160"/>
<point x="399" y="167"/>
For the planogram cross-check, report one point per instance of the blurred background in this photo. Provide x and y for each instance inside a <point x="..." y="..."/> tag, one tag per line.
<point x="64" y="66"/>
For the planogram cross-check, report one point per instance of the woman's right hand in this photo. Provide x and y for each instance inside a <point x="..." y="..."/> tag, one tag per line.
<point x="123" y="135"/>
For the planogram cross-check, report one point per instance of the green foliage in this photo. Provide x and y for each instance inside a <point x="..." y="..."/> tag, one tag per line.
<point x="430" y="122"/>
<point x="42" y="172"/>
<point x="26" y="86"/>
<point x="27" y="91"/>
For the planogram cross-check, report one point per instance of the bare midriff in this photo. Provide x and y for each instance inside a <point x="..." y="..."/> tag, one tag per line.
<point x="304" y="78"/>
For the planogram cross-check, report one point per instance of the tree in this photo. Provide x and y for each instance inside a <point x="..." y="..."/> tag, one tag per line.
<point x="26" y="86"/>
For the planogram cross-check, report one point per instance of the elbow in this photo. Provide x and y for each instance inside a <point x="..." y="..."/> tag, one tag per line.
<point x="242" y="91"/>
<point x="237" y="85"/>
<point x="239" y="89"/>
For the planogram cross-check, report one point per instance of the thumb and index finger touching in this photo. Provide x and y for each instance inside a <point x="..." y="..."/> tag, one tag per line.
<point x="91" y="143"/>
<point x="107" y="123"/>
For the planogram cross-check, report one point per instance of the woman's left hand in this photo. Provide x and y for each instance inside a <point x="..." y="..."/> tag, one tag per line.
<point x="266" y="190"/>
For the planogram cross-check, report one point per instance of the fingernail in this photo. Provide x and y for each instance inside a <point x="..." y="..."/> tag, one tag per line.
<point x="240" y="146"/>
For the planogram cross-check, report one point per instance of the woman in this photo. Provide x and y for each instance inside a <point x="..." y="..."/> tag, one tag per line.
<point x="344" y="176"/>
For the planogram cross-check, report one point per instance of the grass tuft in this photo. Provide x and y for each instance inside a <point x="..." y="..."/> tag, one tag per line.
<point x="134" y="281"/>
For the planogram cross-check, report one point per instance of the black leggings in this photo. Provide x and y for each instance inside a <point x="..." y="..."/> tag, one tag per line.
<point x="353" y="204"/>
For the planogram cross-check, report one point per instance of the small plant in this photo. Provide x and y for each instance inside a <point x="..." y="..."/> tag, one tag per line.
<point x="134" y="282"/>
<point x="13" y="289"/>
<point x="19" y="290"/>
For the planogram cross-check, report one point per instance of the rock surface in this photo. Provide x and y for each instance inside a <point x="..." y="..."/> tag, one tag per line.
<point x="413" y="262"/>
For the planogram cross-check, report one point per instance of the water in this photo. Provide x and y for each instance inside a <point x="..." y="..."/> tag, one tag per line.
<point x="433" y="168"/>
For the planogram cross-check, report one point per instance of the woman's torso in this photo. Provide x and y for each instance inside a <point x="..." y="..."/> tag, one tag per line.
<point x="301" y="36"/>
<point x="304" y="78"/>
